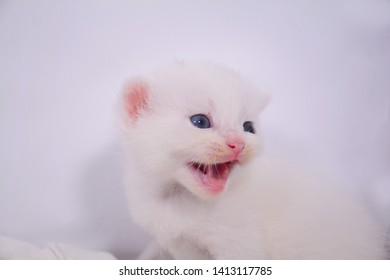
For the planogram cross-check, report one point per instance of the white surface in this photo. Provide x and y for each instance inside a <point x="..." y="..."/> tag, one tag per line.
<point x="12" y="249"/>
<point x="62" y="66"/>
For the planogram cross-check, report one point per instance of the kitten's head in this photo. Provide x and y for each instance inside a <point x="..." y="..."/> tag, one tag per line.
<point x="192" y="124"/>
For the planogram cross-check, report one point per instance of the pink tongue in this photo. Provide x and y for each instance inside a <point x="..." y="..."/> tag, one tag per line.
<point x="216" y="176"/>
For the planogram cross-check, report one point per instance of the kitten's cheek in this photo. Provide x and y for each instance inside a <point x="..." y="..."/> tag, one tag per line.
<point x="248" y="155"/>
<point x="253" y="150"/>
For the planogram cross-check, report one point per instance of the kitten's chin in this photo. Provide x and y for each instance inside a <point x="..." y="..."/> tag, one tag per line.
<point x="206" y="180"/>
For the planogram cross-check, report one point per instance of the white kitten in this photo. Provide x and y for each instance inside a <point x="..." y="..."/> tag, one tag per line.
<point x="204" y="190"/>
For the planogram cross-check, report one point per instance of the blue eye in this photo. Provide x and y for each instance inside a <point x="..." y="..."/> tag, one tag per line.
<point x="200" y="121"/>
<point x="248" y="127"/>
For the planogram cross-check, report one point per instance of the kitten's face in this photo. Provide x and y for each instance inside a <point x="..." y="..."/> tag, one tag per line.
<point x="194" y="125"/>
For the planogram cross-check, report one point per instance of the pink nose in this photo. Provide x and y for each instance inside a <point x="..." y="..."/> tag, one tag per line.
<point x="236" y="144"/>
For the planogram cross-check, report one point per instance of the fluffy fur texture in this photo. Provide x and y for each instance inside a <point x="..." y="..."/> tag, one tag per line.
<point x="209" y="192"/>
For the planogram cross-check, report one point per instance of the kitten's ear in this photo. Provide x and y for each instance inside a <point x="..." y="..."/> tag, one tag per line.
<point x="265" y="100"/>
<point x="136" y="99"/>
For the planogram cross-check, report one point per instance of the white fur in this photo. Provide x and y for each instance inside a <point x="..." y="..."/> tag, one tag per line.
<point x="268" y="209"/>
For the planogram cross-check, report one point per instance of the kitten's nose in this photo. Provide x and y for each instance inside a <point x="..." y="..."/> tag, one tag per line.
<point x="235" y="143"/>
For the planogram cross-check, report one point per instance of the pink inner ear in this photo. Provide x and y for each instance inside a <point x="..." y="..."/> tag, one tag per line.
<point x="136" y="99"/>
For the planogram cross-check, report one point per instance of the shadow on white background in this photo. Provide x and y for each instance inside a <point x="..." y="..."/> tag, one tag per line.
<point x="62" y="65"/>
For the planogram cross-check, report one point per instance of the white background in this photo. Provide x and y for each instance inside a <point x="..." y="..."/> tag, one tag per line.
<point x="326" y="65"/>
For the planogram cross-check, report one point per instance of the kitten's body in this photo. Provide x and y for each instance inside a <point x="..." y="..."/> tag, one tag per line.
<point x="264" y="209"/>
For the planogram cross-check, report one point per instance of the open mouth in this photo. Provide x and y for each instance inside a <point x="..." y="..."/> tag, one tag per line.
<point x="212" y="176"/>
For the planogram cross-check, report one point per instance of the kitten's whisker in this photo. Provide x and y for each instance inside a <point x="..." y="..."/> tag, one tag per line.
<point x="197" y="166"/>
